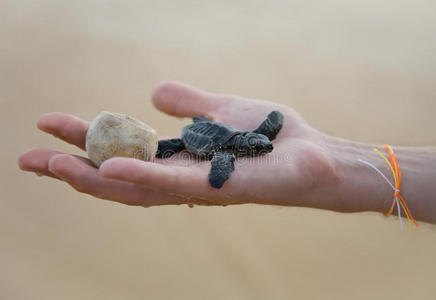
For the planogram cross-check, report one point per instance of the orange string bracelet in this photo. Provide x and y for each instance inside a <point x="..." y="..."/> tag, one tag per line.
<point x="394" y="163"/>
<point x="397" y="198"/>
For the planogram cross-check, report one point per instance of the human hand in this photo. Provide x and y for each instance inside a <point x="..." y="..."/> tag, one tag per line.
<point x="296" y="172"/>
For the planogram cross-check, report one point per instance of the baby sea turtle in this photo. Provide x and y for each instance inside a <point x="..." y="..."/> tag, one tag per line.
<point x="222" y="143"/>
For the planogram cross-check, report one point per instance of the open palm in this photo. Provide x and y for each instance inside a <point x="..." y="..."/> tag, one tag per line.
<point x="289" y="175"/>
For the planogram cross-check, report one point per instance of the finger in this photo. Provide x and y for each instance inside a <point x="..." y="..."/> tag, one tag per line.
<point x="86" y="179"/>
<point x="67" y="127"/>
<point x="36" y="160"/>
<point x="166" y="178"/>
<point x="177" y="99"/>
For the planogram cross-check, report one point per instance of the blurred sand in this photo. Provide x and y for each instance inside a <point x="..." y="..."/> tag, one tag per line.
<point x="364" y="70"/>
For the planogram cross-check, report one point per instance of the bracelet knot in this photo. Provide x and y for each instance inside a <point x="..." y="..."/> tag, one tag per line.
<point x="398" y="199"/>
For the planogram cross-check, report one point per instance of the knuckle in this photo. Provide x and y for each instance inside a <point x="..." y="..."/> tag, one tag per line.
<point x="79" y="183"/>
<point x="80" y="186"/>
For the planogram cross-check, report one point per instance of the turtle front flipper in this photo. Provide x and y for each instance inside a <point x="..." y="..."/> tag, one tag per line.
<point x="200" y="119"/>
<point x="222" y="167"/>
<point x="271" y="126"/>
<point x="167" y="148"/>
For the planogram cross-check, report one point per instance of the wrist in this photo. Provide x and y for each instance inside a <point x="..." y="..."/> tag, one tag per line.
<point x="357" y="186"/>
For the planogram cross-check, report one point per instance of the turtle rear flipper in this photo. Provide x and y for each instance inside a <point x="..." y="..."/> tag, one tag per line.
<point x="167" y="148"/>
<point x="271" y="126"/>
<point x="222" y="167"/>
<point x="200" y="119"/>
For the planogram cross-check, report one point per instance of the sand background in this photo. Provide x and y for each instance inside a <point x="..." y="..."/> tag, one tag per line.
<point x="363" y="70"/>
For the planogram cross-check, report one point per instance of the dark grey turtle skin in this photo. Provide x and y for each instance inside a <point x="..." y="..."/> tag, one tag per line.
<point x="222" y="143"/>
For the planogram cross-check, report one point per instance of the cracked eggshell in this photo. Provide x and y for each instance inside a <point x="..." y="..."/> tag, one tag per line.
<point x="111" y="134"/>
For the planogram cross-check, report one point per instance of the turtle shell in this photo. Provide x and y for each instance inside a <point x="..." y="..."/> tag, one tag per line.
<point x="204" y="137"/>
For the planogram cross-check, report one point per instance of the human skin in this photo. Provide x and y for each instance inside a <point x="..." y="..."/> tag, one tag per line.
<point x="306" y="168"/>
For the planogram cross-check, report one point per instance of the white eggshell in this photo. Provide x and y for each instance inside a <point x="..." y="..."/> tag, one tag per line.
<point x="111" y="134"/>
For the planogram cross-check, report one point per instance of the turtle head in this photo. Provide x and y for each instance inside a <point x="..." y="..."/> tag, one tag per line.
<point x="258" y="144"/>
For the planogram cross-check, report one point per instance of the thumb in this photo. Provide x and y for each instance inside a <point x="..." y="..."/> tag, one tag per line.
<point x="182" y="100"/>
